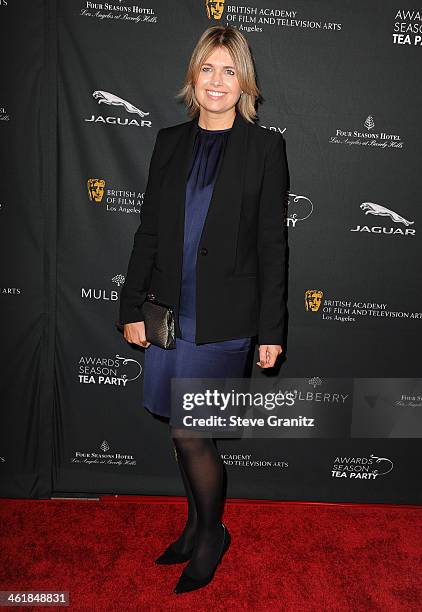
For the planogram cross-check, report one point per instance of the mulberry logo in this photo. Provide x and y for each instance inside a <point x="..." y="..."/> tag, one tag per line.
<point x="119" y="279"/>
<point x="315" y="381"/>
<point x="110" y="99"/>
<point x="273" y="128"/>
<point x="103" y="294"/>
<point x="370" y="208"/>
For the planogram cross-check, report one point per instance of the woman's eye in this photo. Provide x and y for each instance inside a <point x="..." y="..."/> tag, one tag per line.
<point x="207" y="68"/>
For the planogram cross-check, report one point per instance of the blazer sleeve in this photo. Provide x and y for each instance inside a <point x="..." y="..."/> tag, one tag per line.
<point x="144" y="249"/>
<point x="272" y="245"/>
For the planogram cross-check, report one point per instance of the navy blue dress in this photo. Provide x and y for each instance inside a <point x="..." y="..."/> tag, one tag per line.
<point x="224" y="359"/>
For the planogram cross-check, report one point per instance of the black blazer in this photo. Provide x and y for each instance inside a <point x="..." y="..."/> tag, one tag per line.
<point x="240" y="269"/>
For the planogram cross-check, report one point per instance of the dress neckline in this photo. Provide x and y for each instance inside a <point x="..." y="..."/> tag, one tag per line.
<point x="213" y="131"/>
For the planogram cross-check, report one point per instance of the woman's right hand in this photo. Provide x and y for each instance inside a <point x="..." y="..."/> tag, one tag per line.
<point x="135" y="333"/>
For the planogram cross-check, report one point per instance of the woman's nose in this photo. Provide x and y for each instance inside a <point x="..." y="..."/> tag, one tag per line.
<point x="216" y="79"/>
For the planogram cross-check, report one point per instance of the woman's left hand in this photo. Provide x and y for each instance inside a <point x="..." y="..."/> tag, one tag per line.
<point x="268" y="354"/>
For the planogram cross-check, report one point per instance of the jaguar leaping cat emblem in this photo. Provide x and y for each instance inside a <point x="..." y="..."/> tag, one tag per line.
<point x="377" y="209"/>
<point x="106" y="97"/>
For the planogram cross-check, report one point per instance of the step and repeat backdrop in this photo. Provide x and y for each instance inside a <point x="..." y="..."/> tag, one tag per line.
<point x="85" y="88"/>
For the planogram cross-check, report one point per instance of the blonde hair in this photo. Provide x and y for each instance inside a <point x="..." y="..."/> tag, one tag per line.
<point x="238" y="48"/>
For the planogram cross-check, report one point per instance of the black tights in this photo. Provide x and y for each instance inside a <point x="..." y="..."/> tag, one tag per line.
<point x="202" y="473"/>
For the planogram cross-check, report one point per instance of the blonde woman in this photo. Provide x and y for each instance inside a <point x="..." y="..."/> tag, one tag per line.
<point x="211" y="243"/>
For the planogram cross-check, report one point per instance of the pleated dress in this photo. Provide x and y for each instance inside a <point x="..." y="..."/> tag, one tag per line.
<point x="224" y="359"/>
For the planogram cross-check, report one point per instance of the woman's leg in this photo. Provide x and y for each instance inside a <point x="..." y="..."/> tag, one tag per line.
<point x="204" y="470"/>
<point x="186" y="541"/>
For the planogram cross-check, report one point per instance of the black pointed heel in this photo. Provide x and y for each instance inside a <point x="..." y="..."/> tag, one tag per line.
<point x="190" y="583"/>
<point x="170" y="556"/>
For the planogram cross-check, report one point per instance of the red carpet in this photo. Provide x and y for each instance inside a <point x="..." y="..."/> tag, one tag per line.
<point x="284" y="556"/>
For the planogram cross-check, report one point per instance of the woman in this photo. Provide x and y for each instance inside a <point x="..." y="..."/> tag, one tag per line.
<point x="211" y="244"/>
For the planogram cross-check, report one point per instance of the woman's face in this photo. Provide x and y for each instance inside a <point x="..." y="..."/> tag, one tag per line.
<point x="217" y="88"/>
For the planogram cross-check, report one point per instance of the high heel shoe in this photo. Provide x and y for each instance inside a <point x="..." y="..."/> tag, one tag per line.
<point x="170" y="556"/>
<point x="190" y="583"/>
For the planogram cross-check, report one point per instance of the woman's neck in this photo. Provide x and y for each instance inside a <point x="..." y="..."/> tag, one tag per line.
<point x="215" y="122"/>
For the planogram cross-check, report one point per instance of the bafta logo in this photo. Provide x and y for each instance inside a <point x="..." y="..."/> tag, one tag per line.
<point x="214" y="9"/>
<point x="95" y="189"/>
<point x="313" y="298"/>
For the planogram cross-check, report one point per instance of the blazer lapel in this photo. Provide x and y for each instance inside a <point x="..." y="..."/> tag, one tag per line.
<point x="176" y="179"/>
<point x="222" y="220"/>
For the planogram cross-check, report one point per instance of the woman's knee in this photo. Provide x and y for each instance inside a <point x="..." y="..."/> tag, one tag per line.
<point x="185" y="442"/>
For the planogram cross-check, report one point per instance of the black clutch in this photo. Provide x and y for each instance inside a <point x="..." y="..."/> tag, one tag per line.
<point x="159" y="323"/>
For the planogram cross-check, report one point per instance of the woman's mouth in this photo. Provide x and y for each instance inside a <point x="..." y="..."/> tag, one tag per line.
<point x="214" y="95"/>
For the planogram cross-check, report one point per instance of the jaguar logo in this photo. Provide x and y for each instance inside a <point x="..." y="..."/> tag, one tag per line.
<point x="377" y="209"/>
<point x="105" y="97"/>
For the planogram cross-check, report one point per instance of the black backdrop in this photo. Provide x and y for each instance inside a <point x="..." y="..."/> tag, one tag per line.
<point x="84" y="88"/>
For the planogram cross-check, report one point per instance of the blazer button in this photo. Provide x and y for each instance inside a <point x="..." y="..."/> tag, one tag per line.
<point x="203" y="251"/>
